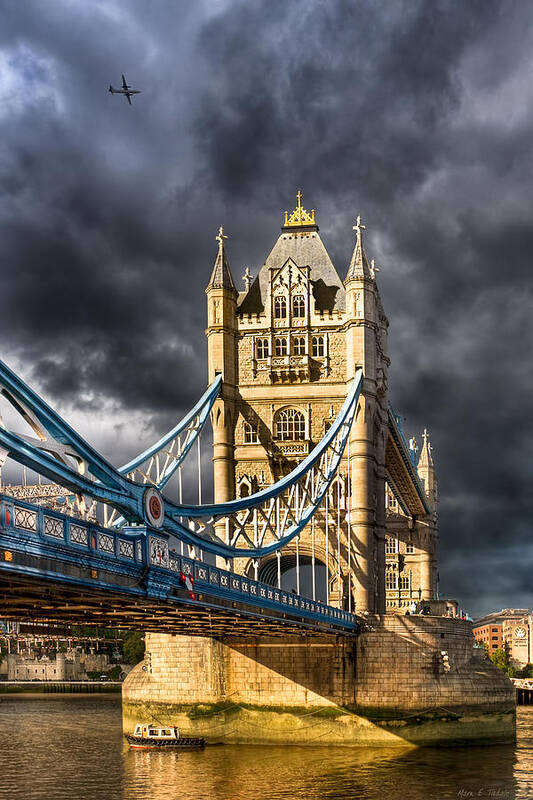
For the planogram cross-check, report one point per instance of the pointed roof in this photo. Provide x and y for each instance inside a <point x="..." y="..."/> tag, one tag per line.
<point x="359" y="266"/>
<point x="299" y="242"/>
<point x="426" y="459"/>
<point x="221" y="277"/>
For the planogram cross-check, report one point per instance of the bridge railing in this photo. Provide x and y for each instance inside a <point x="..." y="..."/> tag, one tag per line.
<point x="142" y="547"/>
<point x="54" y="526"/>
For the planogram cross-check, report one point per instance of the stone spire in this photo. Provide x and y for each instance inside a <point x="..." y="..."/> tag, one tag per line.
<point x="221" y="276"/>
<point x="426" y="471"/>
<point x="359" y="267"/>
<point x="426" y="459"/>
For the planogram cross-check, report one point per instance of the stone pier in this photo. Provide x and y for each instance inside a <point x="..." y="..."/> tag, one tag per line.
<point x="387" y="686"/>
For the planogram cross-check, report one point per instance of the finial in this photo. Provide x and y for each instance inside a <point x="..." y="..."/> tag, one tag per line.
<point x="425" y="436"/>
<point x="359" y="226"/>
<point x="373" y="269"/>
<point x="247" y="278"/>
<point x="221" y="236"/>
<point x="299" y="216"/>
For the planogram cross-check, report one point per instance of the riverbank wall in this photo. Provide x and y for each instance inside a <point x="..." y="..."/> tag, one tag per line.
<point x="415" y="680"/>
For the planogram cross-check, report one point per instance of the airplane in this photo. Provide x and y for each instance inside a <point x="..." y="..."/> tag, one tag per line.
<point x="125" y="90"/>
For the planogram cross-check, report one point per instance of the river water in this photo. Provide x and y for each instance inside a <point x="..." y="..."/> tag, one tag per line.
<point x="55" y="747"/>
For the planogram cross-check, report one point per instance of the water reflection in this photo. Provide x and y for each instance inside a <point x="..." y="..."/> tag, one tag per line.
<point x="57" y="747"/>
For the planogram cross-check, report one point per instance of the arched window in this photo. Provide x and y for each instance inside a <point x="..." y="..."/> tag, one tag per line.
<point x="290" y="425"/>
<point x="280" y="346"/>
<point x="251" y="434"/>
<point x="280" y="308"/>
<point x="318" y="346"/>
<point x="298" y="306"/>
<point x="263" y="349"/>
<point x="244" y="486"/>
<point x="298" y="345"/>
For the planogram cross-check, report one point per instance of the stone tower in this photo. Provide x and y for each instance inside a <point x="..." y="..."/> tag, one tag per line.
<point x="222" y="359"/>
<point x="288" y="347"/>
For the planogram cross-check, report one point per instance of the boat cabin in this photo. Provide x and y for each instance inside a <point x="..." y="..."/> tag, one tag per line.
<point x="155" y="732"/>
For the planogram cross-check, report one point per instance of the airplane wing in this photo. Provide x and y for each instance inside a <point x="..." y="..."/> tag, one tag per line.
<point x="128" y="96"/>
<point x="124" y="84"/>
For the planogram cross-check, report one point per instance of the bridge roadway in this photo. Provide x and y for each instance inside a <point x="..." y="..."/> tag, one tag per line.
<point x="54" y="567"/>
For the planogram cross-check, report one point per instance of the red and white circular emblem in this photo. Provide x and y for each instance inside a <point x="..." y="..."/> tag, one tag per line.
<point x="154" y="510"/>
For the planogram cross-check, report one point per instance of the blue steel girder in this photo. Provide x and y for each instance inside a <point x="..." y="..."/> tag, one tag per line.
<point x="263" y="522"/>
<point x="129" y="569"/>
<point x="155" y="466"/>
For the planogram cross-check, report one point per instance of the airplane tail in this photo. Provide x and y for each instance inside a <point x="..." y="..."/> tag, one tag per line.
<point x="111" y="89"/>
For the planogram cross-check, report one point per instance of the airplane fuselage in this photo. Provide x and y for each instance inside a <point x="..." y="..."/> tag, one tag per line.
<point x="124" y="91"/>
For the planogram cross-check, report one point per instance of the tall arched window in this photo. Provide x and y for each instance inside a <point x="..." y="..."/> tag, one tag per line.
<point x="263" y="350"/>
<point x="318" y="346"/>
<point x="280" y="346"/>
<point x="290" y="425"/>
<point x="298" y="345"/>
<point x="298" y="306"/>
<point x="280" y="308"/>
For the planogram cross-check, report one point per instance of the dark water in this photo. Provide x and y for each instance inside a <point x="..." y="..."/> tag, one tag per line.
<point x="57" y="747"/>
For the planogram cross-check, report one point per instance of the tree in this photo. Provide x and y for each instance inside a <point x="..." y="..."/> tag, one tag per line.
<point x="133" y="647"/>
<point x="500" y="659"/>
<point x="525" y="672"/>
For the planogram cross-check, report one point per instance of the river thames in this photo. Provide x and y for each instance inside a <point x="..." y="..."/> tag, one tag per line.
<point x="55" y="747"/>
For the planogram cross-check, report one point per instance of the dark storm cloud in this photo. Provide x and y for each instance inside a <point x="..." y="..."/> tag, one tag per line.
<point x="415" y="114"/>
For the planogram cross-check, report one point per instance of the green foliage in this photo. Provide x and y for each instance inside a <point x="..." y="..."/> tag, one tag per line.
<point x="114" y="673"/>
<point x="525" y="672"/>
<point x="500" y="659"/>
<point x="133" y="647"/>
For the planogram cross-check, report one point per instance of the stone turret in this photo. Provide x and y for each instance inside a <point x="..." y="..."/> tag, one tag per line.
<point x="222" y="359"/>
<point x="365" y="327"/>
<point x="426" y="471"/>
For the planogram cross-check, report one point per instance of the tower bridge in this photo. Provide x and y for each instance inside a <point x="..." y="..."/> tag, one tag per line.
<point x="323" y="518"/>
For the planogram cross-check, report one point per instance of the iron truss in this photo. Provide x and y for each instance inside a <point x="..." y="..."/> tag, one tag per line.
<point x="57" y="568"/>
<point x="253" y="526"/>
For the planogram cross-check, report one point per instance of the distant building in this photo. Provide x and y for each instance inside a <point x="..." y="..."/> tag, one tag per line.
<point x="509" y="629"/>
<point x="69" y="666"/>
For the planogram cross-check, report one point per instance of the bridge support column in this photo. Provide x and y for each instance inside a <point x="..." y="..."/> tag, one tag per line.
<point x="426" y="582"/>
<point x="223" y="459"/>
<point x="363" y="508"/>
<point x="379" y="566"/>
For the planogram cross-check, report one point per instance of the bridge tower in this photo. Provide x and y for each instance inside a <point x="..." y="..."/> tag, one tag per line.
<point x="288" y="346"/>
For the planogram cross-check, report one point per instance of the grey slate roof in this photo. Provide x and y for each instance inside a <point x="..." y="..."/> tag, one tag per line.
<point x="307" y="250"/>
<point x="221" y="277"/>
<point x="359" y="266"/>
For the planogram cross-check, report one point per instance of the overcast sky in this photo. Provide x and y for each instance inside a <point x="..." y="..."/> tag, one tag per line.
<point x="417" y="115"/>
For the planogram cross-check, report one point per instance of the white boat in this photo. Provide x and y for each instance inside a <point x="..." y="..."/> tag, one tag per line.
<point x="151" y="737"/>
